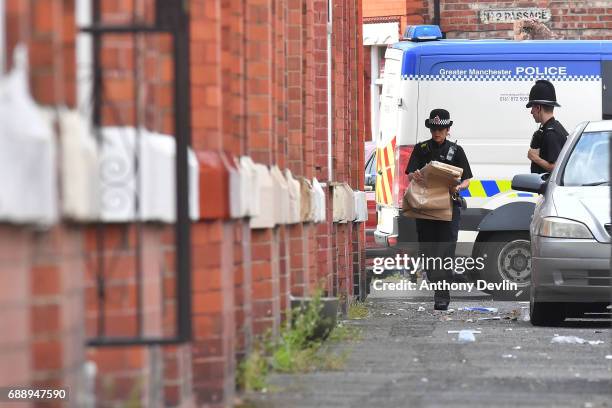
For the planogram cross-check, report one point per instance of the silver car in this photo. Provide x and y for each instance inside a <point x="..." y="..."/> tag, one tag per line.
<point x="570" y="229"/>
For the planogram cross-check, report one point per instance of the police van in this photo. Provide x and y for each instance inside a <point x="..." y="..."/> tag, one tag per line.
<point x="484" y="84"/>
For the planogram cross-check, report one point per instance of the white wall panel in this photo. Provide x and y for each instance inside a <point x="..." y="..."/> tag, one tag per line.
<point x="28" y="168"/>
<point x="79" y="168"/>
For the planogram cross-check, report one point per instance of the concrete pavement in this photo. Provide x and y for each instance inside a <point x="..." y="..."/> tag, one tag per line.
<point x="407" y="358"/>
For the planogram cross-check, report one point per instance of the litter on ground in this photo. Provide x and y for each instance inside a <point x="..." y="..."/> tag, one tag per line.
<point x="513" y="315"/>
<point x="459" y="331"/>
<point x="525" y="314"/>
<point x="479" y="309"/>
<point x="567" y="340"/>
<point x="574" y="340"/>
<point x="466" y="336"/>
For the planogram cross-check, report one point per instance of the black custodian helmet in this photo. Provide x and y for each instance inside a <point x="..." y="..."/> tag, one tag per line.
<point x="542" y="93"/>
<point x="438" y="119"/>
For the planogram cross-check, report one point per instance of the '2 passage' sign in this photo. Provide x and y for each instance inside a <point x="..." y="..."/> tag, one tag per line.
<point x="508" y="15"/>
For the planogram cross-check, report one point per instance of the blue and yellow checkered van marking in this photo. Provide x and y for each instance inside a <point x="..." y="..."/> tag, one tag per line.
<point x="489" y="188"/>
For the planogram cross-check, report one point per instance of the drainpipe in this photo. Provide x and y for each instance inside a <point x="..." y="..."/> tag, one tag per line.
<point x="436" y="16"/>
<point x="329" y="91"/>
<point x="374" y="94"/>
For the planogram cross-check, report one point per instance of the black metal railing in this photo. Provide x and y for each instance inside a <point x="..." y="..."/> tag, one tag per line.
<point x="171" y="18"/>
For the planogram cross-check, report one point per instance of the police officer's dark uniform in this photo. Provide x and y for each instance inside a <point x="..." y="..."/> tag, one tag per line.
<point x="551" y="136"/>
<point x="439" y="238"/>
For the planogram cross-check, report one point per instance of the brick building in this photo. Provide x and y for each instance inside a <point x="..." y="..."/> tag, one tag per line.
<point x="385" y="21"/>
<point x="75" y="278"/>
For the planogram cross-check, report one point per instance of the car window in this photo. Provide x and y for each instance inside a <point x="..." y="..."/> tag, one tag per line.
<point x="370" y="165"/>
<point x="589" y="161"/>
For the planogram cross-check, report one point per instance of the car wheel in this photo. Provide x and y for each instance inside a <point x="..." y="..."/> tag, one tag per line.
<point x="507" y="258"/>
<point x="546" y="313"/>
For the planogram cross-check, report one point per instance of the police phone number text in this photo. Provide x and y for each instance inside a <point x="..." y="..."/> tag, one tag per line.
<point x="513" y="98"/>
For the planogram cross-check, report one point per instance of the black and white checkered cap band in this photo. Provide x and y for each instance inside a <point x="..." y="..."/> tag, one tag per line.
<point x="577" y="78"/>
<point x="439" y="122"/>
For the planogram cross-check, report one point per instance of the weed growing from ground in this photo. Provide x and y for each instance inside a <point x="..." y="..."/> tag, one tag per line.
<point x="298" y="348"/>
<point x="252" y="372"/>
<point x="342" y="332"/>
<point x="357" y="310"/>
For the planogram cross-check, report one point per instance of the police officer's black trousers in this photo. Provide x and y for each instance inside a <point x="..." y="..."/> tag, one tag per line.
<point x="438" y="240"/>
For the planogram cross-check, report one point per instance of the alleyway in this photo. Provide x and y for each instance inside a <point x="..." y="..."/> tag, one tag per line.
<point x="407" y="358"/>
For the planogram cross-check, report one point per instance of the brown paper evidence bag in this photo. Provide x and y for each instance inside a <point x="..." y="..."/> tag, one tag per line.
<point x="431" y="200"/>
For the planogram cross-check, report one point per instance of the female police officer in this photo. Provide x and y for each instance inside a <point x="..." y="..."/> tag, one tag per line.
<point x="439" y="238"/>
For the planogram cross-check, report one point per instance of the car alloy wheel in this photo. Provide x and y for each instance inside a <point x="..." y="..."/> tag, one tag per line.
<point x="514" y="262"/>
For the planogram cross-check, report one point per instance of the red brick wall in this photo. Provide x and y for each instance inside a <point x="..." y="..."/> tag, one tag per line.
<point x="41" y="271"/>
<point x="279" y="78"/>
<point x="41" y="314"/>
<point x="243" y="289"/>
<point x="259" y="88"/>
<point x="126" y="372"/>
<point x="137" y="87"/>
<point x="372" y="8"/>
<point x="38" y="24"/>
<point x="583" y="20"/>
<point x="15" y="293"/>
<point x="213" y="294"/>
<point x="407" y="12"/>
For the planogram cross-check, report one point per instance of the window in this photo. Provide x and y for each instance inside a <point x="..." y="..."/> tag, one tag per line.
<point x="589" y="161"/>
<point x="370" y="169"/>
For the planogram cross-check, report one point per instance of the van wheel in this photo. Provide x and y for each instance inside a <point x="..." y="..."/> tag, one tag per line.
<point x="546" y="313"/>
<point x="507" y="258"/>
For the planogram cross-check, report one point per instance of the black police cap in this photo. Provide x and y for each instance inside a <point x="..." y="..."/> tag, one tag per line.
<point x="542" y="93"/>
<point x="438" y="119"/>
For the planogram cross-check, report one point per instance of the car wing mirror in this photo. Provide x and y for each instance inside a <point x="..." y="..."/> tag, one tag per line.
<point x="533" y="183"/>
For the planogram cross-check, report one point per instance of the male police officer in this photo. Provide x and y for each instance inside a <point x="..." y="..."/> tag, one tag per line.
<point x="439" y="238"/>
<point x="548" y="140"/>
